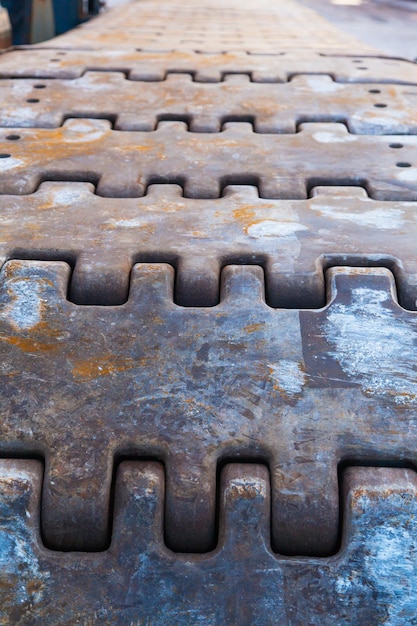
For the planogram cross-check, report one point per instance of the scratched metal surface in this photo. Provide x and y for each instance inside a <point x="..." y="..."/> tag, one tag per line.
<point x="125" y="163"/>
<point x="372" y="579"/>
<point x="271" y="108"/>
<point x="56" y="62"/>
<point x="195" y="385"/>
<point x="207" y="323"/>
<point x="294" y="240"/>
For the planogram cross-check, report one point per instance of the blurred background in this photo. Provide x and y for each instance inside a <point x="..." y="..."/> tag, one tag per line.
<point x="388" y="25"/>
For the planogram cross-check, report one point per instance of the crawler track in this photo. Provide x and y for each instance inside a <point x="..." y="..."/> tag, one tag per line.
<point x="208" y="323"/>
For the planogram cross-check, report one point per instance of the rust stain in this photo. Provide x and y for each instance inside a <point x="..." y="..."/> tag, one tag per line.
<point x="252" y="328"/>
<point x="28" y="345"/>
<point x="42" y="338"/>
<point x="249" y="215"/>
<point x="158" y="321"/>
<point x="47" y="205"/>
<point x="97" y="367"/>
<point x="245" y="214"/>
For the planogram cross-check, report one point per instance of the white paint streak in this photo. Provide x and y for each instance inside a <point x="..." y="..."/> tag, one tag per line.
<point x="21" y="89"/>
<point x="70" y="195"/>
<point x="24" y="311"/>
<point x="408" y="174"/>
<point x="84" y="131"/>
<point x="10" y="164"/>
<point x="25" y="114"/>
<point x="373" y="346"/>
<point x="329" y="137"/>
<point x="321" y="84"/>
<point x="390" y="564"/>
<point x="288" y="375"/>
<point x="393" y="118"/>
<point x="133" y="223"/>
<point x="272" y="228"/>
<point x="343" y="584"/>
<point x="383" y="218"/>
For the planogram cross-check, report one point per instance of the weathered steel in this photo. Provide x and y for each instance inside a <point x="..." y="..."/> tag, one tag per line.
<point x="164" y="320"/>
<point x="151" y="66"/>
<point x="124" y="163"/>
<point x="294" y="240"/>
<point x="260" y="26"/>
<point x="371" y="580"/>
<point x="271" y="108"/>
<point x="193" y="386"/>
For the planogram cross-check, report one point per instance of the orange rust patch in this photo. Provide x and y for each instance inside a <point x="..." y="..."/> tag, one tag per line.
<point x="47" y="205"/>
<point x="104" y="366"/>
<point x="245" y="491"/>
<point x="29" y="345"/>
<point x="41" y="338"/>
<point x="245" y="213"/>
<point x="156" y="320"/>
<point x="47" y="146"/>
<point x="252" y="328"/>
<point x="248" y="214"/>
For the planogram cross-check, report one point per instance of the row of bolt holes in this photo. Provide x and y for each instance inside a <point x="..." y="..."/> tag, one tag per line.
<point x="391" y="145"/>
<point x="34" y="100"/>
<point x="14" y="137"/>
<point x="396" y="146"/>
<point x="61" y="54"/>
<point x="379" y="105"/>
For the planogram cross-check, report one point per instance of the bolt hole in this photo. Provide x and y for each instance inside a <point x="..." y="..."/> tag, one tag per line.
<point x="39" y="86"/>
<point x="31" y="100"/>
<point x="362" y="68"/>
<point x="374" y="91"/>
<point x="396" y="145"/>
<point x="380" y="105"/>
<point x="12" y="137"/>
<point x="403" y="164"/>
<point x="357" y="61"/>
<point x="4" y="156"/>
<point x="55" y="60"/>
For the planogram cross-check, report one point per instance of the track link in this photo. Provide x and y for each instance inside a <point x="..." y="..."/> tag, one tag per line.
<point x="208" y="297"/>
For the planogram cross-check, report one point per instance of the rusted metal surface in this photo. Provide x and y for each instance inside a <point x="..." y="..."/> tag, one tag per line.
<point x="282" y="166"/>
<point x="294" y="240"/>
<point x="260" y="26"/>
<point x="193" y="386"/>
<point x="207" y="323"/>
<point x="152" y="66"/>
<point x="370" y="581"/>
<point x="271" y="108"/>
